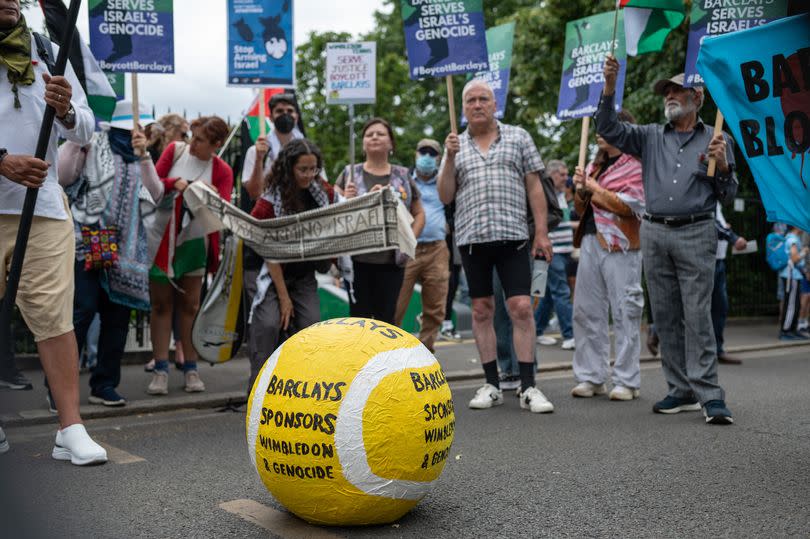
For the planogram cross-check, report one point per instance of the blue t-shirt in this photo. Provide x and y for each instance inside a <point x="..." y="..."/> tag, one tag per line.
<point x="435" y="225"/>
<point x="791" y="240"/>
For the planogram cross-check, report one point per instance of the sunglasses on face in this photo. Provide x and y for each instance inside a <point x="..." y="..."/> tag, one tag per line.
<point x="428" y="151"/>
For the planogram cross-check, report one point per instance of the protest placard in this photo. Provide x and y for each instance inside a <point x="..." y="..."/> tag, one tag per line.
<point x="117" y="81"/>
<point x="760" y="80"/>
<point x="261" y="48"/>
<point x="132" y="36"/>
<point x="370" y="223"/>
<point x="717" y="17"/>
<point x="499" y="45"/>
<point x="351" y="73"/>
<point x="587" y="42"/>
<point x="444" y="37"/>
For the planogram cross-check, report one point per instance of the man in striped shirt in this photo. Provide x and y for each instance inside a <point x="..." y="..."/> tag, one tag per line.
<point x="558" y="294"/>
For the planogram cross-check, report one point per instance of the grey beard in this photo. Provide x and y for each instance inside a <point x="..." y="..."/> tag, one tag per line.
<point x="676" y="112"/>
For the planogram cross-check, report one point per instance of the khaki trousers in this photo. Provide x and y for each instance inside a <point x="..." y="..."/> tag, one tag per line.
<point x="431" y="269"/>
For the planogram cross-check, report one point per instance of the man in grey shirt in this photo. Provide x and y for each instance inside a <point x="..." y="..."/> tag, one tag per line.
<point x="678" y="238"/>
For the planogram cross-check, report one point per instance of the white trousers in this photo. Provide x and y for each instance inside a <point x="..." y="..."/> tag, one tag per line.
<point x="608" y="286"/>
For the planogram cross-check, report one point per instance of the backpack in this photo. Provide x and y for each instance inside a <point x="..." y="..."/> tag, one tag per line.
<point x="775" y="253"/>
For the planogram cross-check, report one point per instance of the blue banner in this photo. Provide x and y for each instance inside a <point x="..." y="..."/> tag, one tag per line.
<point x="444" y="37"/>
<point x="132" y="37"/>
<point x="760" y="80"/>
<point x="261" y="48"/>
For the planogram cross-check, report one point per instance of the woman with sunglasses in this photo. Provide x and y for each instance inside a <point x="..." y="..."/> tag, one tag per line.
<point x="182" y="255"/>
<point x="286" y="300"/>
<point x="378" y="277"/>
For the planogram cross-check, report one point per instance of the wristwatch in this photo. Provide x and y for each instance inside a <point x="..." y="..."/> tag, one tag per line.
<point x="3" y="154"/>
<point x="70" y="116"/>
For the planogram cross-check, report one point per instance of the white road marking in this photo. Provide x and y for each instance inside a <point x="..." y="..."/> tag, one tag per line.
<point x="119" y="456"/>
<point x="281" y="524"/>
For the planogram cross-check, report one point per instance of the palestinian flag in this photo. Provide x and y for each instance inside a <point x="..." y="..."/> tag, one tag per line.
<point x="647" y="23"/>
<point x="100" y="94"/>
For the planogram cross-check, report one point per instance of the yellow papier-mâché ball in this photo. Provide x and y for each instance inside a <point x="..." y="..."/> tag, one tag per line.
<point x="350" y="422"/>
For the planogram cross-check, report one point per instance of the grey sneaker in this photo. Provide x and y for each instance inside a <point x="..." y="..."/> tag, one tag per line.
<point x="4" y="447"/>
<point x="159" y="384"/>
<point x="193" y="382"/>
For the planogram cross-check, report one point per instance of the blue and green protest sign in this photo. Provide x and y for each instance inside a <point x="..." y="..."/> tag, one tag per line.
<point x="444" y="37"/>
<point x="760" y="80"/>
<point x="587" y="42"/>
<point x="499" y="44"/>
<point x="718" y="17"/>
<point x="133" y="36"/>
<point x="261" y="49"/>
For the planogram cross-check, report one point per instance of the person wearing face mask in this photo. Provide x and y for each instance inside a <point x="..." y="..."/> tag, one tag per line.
<point x="259" y="160"/>
<point x="259" y="157"/>
<point x="289" y="300"/>
<point x="431" y="265"/>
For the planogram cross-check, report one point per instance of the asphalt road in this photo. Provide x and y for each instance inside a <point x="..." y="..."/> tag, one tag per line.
<point x="594" y="468"/>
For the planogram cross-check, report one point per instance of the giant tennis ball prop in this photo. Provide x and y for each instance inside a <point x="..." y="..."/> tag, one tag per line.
<point x="350" y="422"/>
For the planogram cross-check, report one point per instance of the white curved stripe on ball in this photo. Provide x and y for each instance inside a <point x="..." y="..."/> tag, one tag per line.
<point x="258" y="400"/>
<point x="349" y="427"/>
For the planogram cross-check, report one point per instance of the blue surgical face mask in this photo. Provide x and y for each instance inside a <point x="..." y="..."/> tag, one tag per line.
<point x="426" y="164"/>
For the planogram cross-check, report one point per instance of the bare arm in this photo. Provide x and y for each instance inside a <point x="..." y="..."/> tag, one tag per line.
<point x="418" y="212"/>
<point x="539" y="207"/>
<point x="284" y="301"/>
<point x="446" y="184"/>
<point x="70" y="162"/>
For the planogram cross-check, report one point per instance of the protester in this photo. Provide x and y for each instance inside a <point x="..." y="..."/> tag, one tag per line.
<point x="490" y="170"/>
<point x="792" y="276"/>
<point x="558" y="294"/>
<point x="259" y="158"/>
<point x="167" y="129"/>
<point x="678" y="238"/>
<point x="610" y="199"/>
<point x="448" y="330"/>
<point x="108" y="223"/>
<point x="287" y="300"/>
<point x="430" y="267"/>
<point x="180" y="263"/>
<point x="45" y="293"/>
<point x="725" y="236"/>
<point x="804" y="313"/>
<point x="378" y="277"/>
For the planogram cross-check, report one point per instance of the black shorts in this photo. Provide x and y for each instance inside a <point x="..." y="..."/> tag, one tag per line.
<point x="509" y="258"/>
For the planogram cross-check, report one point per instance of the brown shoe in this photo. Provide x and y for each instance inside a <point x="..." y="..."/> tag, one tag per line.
<point x="728" y="360"/>
<point x="652" y="343"/>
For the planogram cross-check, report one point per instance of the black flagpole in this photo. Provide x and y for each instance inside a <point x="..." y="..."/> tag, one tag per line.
<point x="31" y="193"/>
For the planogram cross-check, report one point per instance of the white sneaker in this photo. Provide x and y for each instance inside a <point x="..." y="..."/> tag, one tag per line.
<point x="74" y="444"/>
<point x="193" y="382"/>
<point x="159" y="385"/>
<point x="569" y="344"/>
<point x="546" y="341"/>
<point x="487" y="396"/>
<point x="534" y="400"/>
<point x="587" y="390"/>
<point x="621" y="393"/>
